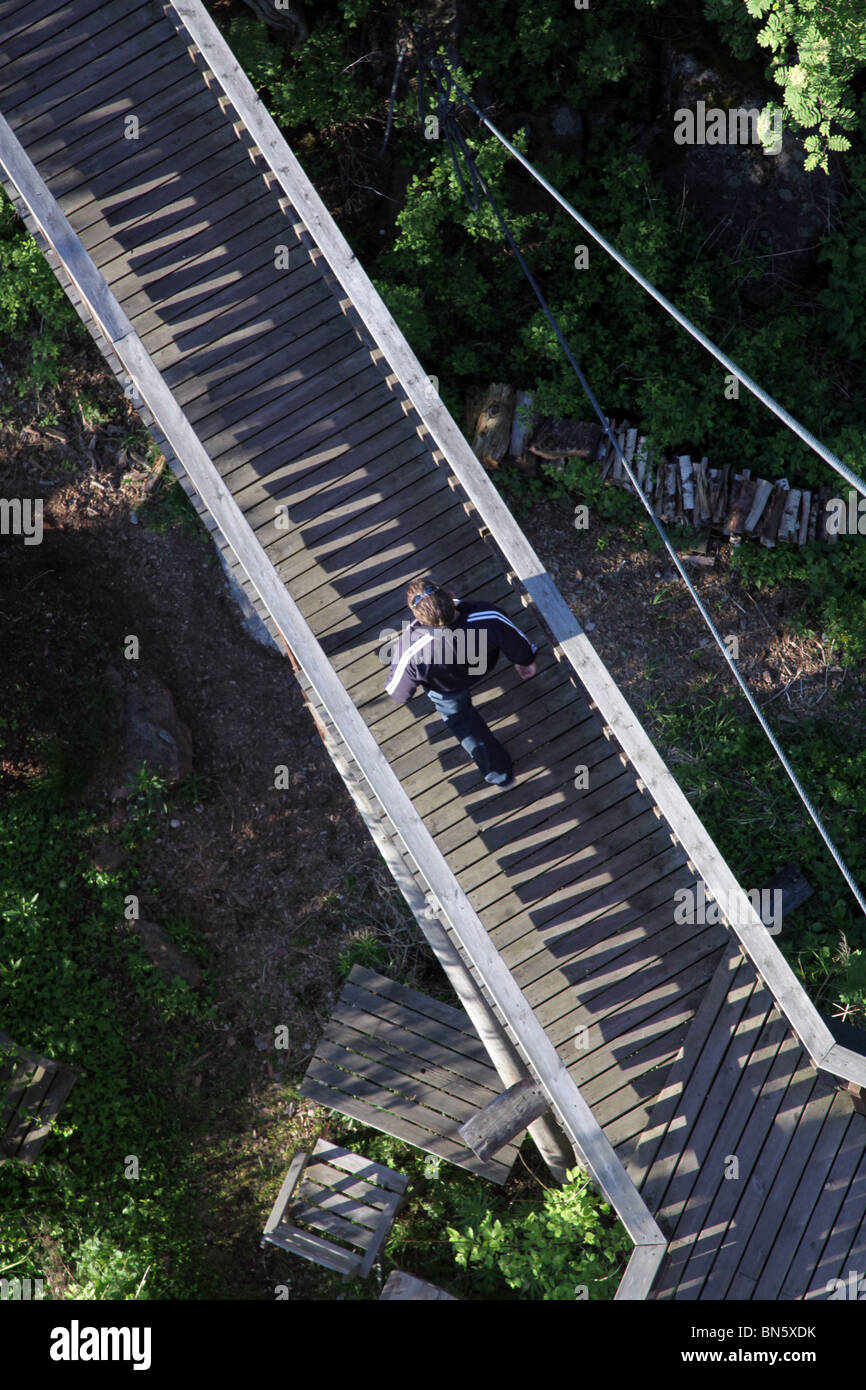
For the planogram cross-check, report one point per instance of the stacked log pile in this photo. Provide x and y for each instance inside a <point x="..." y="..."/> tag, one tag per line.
<point x="681" y="490"/>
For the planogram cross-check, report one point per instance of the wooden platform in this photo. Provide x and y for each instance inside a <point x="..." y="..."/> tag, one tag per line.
<point x="754" y="1162"/>
<point x="338" y="477"/>
<point x="408" y="1065"/>
<point x="32" y="1092"/>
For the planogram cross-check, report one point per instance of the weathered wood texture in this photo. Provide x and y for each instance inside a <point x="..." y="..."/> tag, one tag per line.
<point x="753" y="1161"/>
<point x="32" y="1092"/>
<point x="504" y="1118"/>
<point x="409" y="1066"/>
<point x="335" y="1208"/>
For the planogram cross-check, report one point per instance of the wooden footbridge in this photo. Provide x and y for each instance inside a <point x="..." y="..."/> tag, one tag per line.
<point x="683" y="1063"/>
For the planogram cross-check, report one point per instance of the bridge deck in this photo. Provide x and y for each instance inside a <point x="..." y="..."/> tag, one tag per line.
<point x="337" y="475"/>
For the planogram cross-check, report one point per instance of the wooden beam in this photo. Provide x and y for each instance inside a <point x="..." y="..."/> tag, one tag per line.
<point x="504" y="1118"/>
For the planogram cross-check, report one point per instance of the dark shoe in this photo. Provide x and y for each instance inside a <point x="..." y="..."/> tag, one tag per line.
<point x="502" y="786"/>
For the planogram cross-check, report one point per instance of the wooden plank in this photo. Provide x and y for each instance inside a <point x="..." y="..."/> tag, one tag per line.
<point x="85" y="71"/>
<point x="504" y="1120"/>
<point x="61" y="1081"/>
<point x="286" y="1192"/>
<point x="38" y="55"/>
<point x="262" y="390"/>
<point x="706" y="1223"/>
<point x="321" y="1252"/>
<point x="776" y="1208"/>
<point x="824" y="1216"/>
<point x="106" y="180"/>
<point x="450" y="1109"/>
<point x="753" y="1200"/>
<point x="815" y="1176"/>
<point x="128" y="92"/>
<point x="693" y="1083"/>
<point x="172" y="230"/>
<point x="37" y="14"/>
<point x="353" y="1188"/>
<point x="385" y="1221"/>
<point x="678" y="1203"/>
<point x="401" y="1127"/>
<point x="336" y="1215"/>
<point x="365" y="1168"/>
<point x="381" y="1049"/>
<point x="461" y="1053"/>
<point x="378" y="1096"/>
<point x="640" y="1272"/>
<point x="665" y="1104"/>
<point x="455" y="1019"/>
<point x="833" y="1262"/>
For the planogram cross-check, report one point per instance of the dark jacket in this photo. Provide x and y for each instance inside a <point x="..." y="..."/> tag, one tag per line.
<point x="448" y="659"/>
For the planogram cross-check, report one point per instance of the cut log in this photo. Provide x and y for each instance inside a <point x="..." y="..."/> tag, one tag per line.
<point x="628" y="454"/>
<point x="687" y="480"/>
<point x="789" y="522"/>
<point x="493" y="430"/>
<point x="641" y="459"/>
<point x="603" y="445"/>
<point x="472" y="402"/>
<point x="617" y="473"/>
<point x="670" y="502"/>
<point x="521" y="425"/>
<point x="760" y="499"/>
<point x="659" y="490"/>
<point x="741" y="506"/>
<point x="554" y="439"/>
<point x="702" y="509"/>
<point x="720" y="506"/>
<point x="805" y="512"/>
<point x="609" y="451"/>
<point x="504" y="1118"/>
<point x="769" y="527"/>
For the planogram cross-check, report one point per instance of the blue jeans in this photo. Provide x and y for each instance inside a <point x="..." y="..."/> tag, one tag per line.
<point x="470" y="730"/>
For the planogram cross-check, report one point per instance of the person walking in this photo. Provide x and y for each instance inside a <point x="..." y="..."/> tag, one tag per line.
<point x="449" y="646"/>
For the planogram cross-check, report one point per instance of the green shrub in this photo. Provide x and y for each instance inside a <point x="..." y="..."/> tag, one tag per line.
<point x="568" y="1247"/>
<point x="33" y="308"/>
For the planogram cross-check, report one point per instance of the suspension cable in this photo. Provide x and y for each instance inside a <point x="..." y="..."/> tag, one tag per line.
<point x="443" y="85"/>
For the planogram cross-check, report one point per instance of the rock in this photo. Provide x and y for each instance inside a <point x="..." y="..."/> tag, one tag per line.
<point x="163" y="953"/>
<point x="154" y="733"/>
<point x="746" y="198"/>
